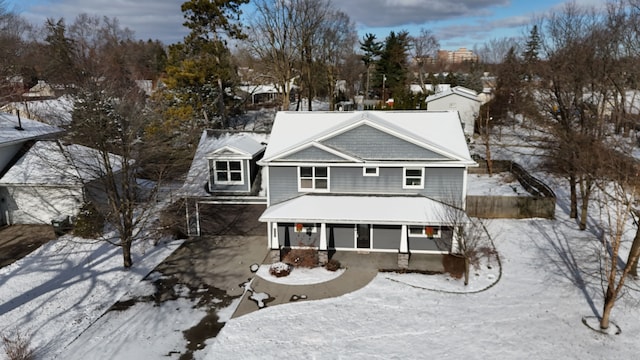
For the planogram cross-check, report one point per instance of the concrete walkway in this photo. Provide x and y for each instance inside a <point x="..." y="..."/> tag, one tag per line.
<point x="360" y="269"/>
<point x="351" y="279"/>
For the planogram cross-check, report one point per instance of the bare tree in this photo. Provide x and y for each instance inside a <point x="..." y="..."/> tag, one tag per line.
<point x="470" y="238"/>
<point x="618" y="194"/>
<point x="272" y="40"/>
<point x="425" y="49"/>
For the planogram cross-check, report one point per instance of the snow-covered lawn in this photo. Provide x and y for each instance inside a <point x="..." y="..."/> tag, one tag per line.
<point x="500" y="184"/>
<point x="56" y="292"/>
<point x="534" y="311"/>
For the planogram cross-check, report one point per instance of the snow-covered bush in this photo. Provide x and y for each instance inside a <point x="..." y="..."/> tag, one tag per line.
<point x="279" y="269"/>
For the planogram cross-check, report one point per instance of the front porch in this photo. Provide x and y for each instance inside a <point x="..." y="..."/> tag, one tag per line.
<point x="384" y="261"/>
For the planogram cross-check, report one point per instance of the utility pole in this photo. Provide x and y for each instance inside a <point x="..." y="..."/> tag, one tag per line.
<point x="384" y="80"/>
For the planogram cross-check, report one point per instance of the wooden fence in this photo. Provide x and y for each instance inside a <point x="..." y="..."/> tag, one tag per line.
<point x="541" y="203"/>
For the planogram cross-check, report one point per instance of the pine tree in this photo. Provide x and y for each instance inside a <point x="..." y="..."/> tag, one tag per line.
<point x="371" y="52"/>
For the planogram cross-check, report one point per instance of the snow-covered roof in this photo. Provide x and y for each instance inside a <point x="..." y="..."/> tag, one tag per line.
<point x="210" y="141"/>
<point x="50" y="163"/>
<point x="349" y="209"/>
<point x="259" y="89"/>
<point x="439" y="131"/>
<point x="31" y="129"/>
<point x="417" y="89"/>
<point x="56" y="112"/>
<point x="458" y="90"/>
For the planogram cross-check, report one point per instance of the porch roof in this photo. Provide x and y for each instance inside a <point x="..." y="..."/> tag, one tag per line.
<point x="390" y="210"/>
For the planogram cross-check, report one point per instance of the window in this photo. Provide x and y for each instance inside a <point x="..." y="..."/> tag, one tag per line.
<point x="413" y="178"/>
<point x="424" y="231"/>
<point x="369" y="171"/>
<point x="228" y="172"/>
<point x="313" y="178"/>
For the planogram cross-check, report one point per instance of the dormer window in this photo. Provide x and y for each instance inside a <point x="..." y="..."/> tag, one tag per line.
<point x="228" y="172"/>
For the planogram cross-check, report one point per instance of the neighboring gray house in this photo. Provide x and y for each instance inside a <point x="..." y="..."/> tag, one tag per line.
<point x="223" y="169"/>
<point x="461" y="99"/>
<point x="366" y="180"/>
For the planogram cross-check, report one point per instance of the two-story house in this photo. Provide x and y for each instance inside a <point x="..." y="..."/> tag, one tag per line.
<point x="377" y="181"/>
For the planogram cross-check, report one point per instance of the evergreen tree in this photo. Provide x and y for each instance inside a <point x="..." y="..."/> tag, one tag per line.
<point x="371" y="49"/>
<point x="530" y="55"/>
<point x="392" y="68"/>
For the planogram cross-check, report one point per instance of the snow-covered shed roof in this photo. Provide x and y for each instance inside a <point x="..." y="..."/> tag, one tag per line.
<point x="439" y="131"/>
<point x="458" y="90"/>
<point x="51" y="163"/>
<point x="10" y="132"/>
<point x="408" y="210"/>
<point x="211" y="143"/>
<point x="259" y="89"/>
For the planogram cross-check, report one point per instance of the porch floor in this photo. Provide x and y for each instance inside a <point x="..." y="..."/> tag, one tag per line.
<point x="388" y="261"/>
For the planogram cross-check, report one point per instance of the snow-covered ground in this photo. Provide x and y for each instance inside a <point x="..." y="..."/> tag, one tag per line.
<point x="501" y="184"/>
<point x="532" y="306"/>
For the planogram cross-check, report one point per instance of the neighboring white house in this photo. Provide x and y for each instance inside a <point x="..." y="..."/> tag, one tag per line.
<point x="50" y="181"/>
<point x="261" y="93"/>
<point x="459" y="98"/>
<point x="417" y="89"/>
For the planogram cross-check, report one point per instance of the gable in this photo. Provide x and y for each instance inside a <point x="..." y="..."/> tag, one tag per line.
<point x="312" y="153"/>
<point x="369" y="143"/>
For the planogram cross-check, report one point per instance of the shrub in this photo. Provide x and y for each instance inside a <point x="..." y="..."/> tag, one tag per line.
<point x="89" y="223"/>
<point x="17" y="348"/>
<point x="307" y="258"/>
<point x="279" y="269"/>
<point x="332" y="265"/>
<point x="454" y="265"/>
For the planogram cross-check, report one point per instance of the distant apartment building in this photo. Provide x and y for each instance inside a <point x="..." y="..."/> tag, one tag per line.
<point x="457" y="56"/>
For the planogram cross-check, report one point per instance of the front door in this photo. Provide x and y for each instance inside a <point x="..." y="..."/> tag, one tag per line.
<point x="363" y="236"/>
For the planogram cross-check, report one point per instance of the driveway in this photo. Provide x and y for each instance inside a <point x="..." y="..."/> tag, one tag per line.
<point x="17" y="241"/>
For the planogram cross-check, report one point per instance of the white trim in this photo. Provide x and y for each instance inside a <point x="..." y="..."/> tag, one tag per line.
<point x="228" y="171"/>
<point x="265" y="182"/>
<point x="404" y="240"/>
<point x="376" y="173"/>
<point x="420" y="163"/>
<point x="404" y="178"/>
<point x="197" y="219"/>
<point x="313" y="179"/>
<point x="323" y="236"/>
<point x="317" y="145"/>
<point x="274" y="242"/>
<point x="429" y="252"/>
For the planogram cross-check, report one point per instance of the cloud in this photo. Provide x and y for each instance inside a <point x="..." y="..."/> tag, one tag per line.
<point x="392" y="13"/>
<point x="149" y="19"/>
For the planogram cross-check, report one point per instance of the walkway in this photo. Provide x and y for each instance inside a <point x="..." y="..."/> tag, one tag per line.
<point x="360" y="269"/>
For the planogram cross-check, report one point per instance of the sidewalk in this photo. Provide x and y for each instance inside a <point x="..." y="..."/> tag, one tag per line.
<point x="352" y="279"/>
<point x="360" y="269"/>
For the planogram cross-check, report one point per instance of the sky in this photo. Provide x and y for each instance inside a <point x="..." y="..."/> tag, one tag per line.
<point x="455" y="23"/>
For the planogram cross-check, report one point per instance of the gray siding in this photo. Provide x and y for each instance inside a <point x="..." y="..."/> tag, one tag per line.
<point x="386" y="237"/>
<point x="340" y="236"/>
<point x="313" y="153"/>
<point x="283" y="183"/>
<point x="440" y="183"/>
<point x="443" y="184"/>
<point x="369" y="143"/>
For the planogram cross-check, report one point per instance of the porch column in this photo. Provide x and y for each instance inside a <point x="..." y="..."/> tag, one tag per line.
<point x="403" y="255"/>
<point x="274" y="243"/>
<point x="323" y="254"/>
<point x="454" y="242"/>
